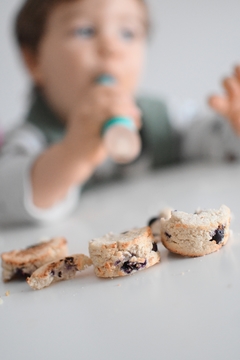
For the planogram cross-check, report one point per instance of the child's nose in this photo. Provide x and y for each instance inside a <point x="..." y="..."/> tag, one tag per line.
<point x="109" y="46"/>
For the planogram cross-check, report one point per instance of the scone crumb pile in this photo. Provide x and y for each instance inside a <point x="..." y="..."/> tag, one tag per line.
<point x="124" y="254"/>
<point x="196" y="234"/>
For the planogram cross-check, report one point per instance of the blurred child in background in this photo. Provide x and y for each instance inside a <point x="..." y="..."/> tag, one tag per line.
<point x="66" y="45"/>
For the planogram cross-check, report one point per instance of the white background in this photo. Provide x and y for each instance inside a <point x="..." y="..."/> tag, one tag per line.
<point x="193" y="45"/>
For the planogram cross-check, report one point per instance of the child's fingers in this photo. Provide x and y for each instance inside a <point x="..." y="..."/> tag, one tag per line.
<point x="229" y="110"/>
<point x="232" y="87"/>
<point x="103" y="103"/>
<point x="114" y="102"/>
<point x="237" y="72"/>
<point x="137" y="115"/>
<point x="219" y="104"/>
<point x="125" y="109"/>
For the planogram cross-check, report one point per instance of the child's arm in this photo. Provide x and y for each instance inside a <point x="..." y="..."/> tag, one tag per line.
<point x="20" y="149"/>
<point x="72" y="161"/>
<point x="228" y="105"/>
<point x="29" y="170"/>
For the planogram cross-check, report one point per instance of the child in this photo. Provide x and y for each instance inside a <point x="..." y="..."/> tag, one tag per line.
<point x="66" y="45"/>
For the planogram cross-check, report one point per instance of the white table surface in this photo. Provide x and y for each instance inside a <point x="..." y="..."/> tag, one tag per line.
<point x="179" y="309"/>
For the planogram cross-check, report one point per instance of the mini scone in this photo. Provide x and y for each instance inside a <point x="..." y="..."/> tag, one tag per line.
<point x="196" y="234"/>
<point x="123" y="254"/>
<point x="25" y="262"/>
<point x="62" y="269"/>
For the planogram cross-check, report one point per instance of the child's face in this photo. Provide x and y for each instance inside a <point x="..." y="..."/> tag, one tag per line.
<point x="85" y="39"/>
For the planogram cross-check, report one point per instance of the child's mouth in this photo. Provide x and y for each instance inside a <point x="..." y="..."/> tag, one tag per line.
<point x="105" y="79"/>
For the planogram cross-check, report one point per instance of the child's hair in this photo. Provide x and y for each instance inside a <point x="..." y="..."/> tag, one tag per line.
<point x="31" y="21"/>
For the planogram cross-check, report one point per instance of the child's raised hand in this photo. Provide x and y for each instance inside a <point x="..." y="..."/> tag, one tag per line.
<point x="73" y="160"/>
<point x="86" y="121"/>
<point x="228" y="105"/>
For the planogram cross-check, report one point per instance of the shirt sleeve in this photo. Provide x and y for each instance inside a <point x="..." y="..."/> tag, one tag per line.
<point x="16" y="204"/>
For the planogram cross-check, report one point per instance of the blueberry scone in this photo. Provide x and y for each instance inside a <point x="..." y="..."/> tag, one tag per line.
<point x="24" y="262"/>
<point x="154" y="223"/>
<point x="196" y="234"/>
<point x="62" y="269"/>
<point x="123" y="254"/>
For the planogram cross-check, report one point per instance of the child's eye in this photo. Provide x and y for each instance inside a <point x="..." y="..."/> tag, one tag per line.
<point x="127" y="34"/>
<point x="85" y="31"/>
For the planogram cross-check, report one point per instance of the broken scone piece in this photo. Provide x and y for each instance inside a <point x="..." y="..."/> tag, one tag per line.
<point x="62" y="269"/>
<point x="22" y="263"/>
<point x="123" y="254"/>
<point x="196" y="234"/>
